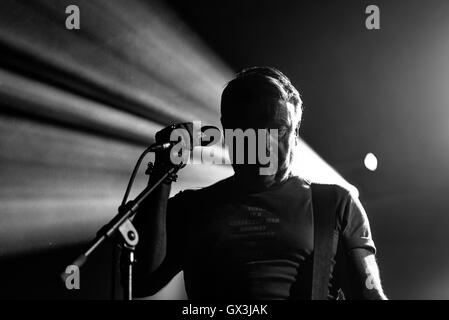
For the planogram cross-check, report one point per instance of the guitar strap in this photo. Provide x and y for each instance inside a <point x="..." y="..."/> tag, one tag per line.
<point x="324" y="220"/>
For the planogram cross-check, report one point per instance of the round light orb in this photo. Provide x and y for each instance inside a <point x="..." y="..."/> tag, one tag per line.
<point x="370" y="162"/>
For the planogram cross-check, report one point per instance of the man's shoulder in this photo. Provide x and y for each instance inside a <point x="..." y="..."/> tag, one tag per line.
<point x="339" y="191"/>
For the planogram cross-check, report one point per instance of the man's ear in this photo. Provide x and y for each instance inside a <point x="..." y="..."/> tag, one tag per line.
<point x="297" y="130"/>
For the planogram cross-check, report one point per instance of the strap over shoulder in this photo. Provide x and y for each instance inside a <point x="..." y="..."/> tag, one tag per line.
<point x="324" y="202"/>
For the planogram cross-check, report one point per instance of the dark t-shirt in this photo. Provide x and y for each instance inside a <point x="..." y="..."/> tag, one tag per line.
<point x="233" y="244"/>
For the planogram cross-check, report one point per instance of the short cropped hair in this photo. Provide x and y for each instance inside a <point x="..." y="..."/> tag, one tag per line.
<point x="259" y="85"/>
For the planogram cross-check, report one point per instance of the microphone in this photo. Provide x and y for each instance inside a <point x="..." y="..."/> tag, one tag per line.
<point x="156" y="147"/>
<point x="192" y="133"/>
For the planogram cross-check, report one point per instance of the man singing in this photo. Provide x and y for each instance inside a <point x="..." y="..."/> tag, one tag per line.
<point x="251" y="236"/>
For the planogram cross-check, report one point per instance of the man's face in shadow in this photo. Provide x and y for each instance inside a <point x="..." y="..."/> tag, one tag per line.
<point x="264" y="115"/>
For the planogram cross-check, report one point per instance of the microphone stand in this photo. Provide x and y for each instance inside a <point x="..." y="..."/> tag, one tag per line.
<point x="129" y="236"/>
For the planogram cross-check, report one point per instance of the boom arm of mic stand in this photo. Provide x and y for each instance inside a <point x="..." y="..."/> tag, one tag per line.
<point x="122" y="217"/>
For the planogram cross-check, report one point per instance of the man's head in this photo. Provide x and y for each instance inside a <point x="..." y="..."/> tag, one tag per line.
<point x="263" y="98"/>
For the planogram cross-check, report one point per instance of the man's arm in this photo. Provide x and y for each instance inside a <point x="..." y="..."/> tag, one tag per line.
<point x="155" y="266"/>
<point x="362" y="276"/>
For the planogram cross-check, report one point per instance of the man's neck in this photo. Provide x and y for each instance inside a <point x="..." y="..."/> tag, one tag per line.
<point x="261" y="182"/>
